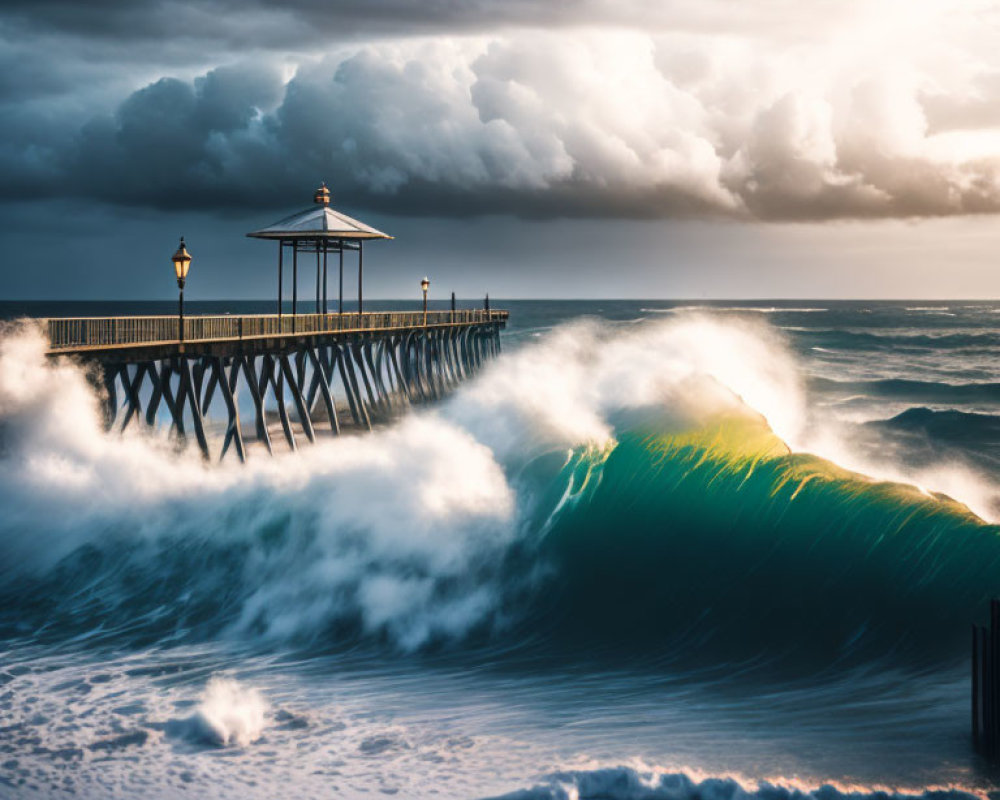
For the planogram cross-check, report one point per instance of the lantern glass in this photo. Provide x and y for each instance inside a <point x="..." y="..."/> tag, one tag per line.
<point x="182" y="261"/>
<point x="425" y="284"/>
<point x="181" y="267"/>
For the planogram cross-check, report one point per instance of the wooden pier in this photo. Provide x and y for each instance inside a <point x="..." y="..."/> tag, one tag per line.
<point x="305" y="370"/>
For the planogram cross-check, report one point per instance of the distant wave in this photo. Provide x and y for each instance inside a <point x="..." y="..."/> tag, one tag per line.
<point x="950" y="424"/>
<point x="960" y="436"/>
<point x="755" y="309"/>
<point x="854" y="340"/>
<point x="942" y="310"/>
<point x="627" y="783"/>
<point x="913" y="391"/>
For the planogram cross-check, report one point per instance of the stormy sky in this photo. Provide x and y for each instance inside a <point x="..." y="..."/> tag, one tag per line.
<point x="575" y="148"/>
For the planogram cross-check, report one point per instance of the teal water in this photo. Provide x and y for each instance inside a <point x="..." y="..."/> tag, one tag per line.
<point x="656" y="547"/>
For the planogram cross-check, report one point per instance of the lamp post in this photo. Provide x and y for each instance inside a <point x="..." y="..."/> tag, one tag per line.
<point x="425" y="284"/>
<point x="182" y="263"/>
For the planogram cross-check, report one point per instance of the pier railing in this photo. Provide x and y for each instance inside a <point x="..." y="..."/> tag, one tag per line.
<point x="78" y="333"/>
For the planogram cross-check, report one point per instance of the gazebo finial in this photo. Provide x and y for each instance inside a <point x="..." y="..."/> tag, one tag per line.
<point x="322" y="196"/>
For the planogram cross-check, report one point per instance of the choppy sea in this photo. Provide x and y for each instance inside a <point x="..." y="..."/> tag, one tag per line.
<point x="655" y="550"/>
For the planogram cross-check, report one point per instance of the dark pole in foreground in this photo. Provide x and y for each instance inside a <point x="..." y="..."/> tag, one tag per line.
<point x="986" y="685"/>
<point x="340" y="303"/>
<point x="994" y="676"/>
<point x="425" y="284"/>
<point x="452" y="306"/>
<point x="975" y="687"/>
<point x="182" y="263"/>
<point x="984" y="682"/>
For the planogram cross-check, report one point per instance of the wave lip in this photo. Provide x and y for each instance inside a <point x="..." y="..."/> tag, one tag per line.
<point x="625" y="783"/>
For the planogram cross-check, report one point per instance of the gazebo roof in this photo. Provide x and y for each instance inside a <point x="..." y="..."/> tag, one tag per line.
<point x="319" y="222"/>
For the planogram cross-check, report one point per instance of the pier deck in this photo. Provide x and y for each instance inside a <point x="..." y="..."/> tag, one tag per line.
<point x="303" y="369"/>
<point x="158" y="335"/>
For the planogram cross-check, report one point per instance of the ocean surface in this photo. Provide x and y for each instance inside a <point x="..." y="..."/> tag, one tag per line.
<point x="655" y="550"/>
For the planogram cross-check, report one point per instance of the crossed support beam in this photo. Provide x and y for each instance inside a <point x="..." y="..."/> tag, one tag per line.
<point x="304" y="390"/>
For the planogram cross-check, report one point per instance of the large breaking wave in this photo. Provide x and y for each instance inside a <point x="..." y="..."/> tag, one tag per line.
<point x="603" y="488"/>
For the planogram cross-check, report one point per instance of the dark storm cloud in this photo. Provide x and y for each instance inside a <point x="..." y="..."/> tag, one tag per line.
<point x="292" y="24"/>
<point x="589" y="122"/>
<point x="261" y="23"/>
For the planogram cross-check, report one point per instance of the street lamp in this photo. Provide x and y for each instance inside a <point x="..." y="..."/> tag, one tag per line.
<point x="425" y="284"/>
<point x="182" y="263"/>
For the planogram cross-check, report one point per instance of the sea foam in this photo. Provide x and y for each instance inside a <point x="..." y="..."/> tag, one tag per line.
<point x="229" y="714"/>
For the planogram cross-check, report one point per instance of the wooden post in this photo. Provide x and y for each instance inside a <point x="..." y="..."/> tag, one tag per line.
<point x="277" y="382"/>
<point x="359" y="359"/>
<point x="155" y="396"/>
<point x="281" y="252"/>
<point x="320" y="377"/>
<point x="975" y="687"/>
<point x="987" y="687"/>
<point x="348" y="362"/>
<point x="346" y="383"/>
<point x="111" y="408"/>
<point x="260" y="419"/>
<point x="188" y="386"/>
<point x="234" y="434"/>
<point x="300" y="405"/>
<point x="174" y="406"/>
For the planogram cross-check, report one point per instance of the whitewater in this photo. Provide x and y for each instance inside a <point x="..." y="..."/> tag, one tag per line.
<point x="655" y="550"/>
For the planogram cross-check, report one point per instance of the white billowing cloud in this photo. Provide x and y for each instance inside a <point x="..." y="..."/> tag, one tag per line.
<point x="877" y="109"/>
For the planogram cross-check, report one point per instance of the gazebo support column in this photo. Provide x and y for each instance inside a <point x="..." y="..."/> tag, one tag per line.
<point x="340" y="305"/>
<point x="326" y="308"/>
<point x="281" y="252"/>
<point x="361" y="278"/>
<point x="317" y="275"/>
<point x="295" y="282"/>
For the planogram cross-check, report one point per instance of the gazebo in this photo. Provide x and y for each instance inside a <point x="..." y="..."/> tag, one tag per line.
<point x="320" y="230"/>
